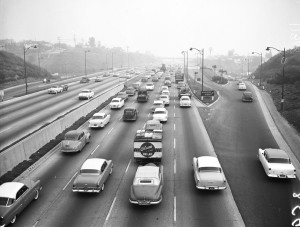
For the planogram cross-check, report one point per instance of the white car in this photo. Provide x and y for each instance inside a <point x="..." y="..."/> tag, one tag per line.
<point x="164" y="88"/>
<point x="165" y="99"/>
<point x="55" y="89"/>
<point x="165" y="92"/>
<point x="86" y="94"/>
<point x="116" y="103"/>
<point x="208" y="173"/>
<point x="242" y="86"/>
<point x="185" y="101"/>
<point x="150" y="86"/>
<point x="160" y="114"/>
<point x="276" y="163"/>
<point x="99" y="120"/>
<point x="157" y="104"/>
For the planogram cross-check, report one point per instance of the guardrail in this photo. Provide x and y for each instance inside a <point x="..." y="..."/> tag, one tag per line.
<point x="25" y="148"/>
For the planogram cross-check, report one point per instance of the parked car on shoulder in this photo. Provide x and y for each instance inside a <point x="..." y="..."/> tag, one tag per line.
<point x="276" y="163"/>
<point x="86" y="94"/>
<point x="55" y="89"/>
<point x="247" y="96"/>
<point x="185" y="101"/>
<point x="84" y="79"/>
<point x="130" y="114"/>
<point x="160" y="114"/>
<point x="130" y="91"/>
<point x="165" y="99"/>
<point x="15" y="197"/>
<point x="99" y="120"/>
<point x="208" y="173"/>
<point x="92" y="175"/>
<point x="147" y="187"/>
<point x="116" y="103"/>
<point x="75" y="140"/>
<point x="122" y="95"/>
<point x="157" y="104"/>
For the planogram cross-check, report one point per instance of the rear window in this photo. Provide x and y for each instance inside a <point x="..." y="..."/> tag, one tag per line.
<point x="279" y="160"/>
<point x="146" y="181"/>
<point x="209" y="169"/>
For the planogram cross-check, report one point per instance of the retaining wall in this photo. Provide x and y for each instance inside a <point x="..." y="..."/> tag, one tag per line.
<point x="25" y="148"/>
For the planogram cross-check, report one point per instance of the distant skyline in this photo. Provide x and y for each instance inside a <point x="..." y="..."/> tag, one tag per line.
<point x="163" y="27"/>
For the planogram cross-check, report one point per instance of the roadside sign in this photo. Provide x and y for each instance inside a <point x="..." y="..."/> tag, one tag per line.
<point x="207" y="93"/>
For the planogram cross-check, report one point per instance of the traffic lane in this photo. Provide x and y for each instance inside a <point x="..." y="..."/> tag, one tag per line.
<point x="120" y="152"/>
<point x="57" y="172"/>
<point x="198" y="207"/>
<point x="123" y="213"/>
<point x="237" y="131"/>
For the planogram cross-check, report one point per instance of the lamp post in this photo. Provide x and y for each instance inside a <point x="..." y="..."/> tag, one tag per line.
<point x="260" y="66"/>
<point x="201" y="52"/>
<point x="112" y="61"/>
<point x="27" y="47"/>
<point x="183" y="52"/>
<point x="85" y="61"/>
<point x="283" y="60"/>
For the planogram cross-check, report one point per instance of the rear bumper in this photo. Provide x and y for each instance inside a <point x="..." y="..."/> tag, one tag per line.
<point x="146" y="202"/>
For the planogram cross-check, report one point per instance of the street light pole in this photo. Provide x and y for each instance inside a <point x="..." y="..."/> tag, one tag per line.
<point x="183" y="52"/>
<point x="85" y="61"/>
<point x="260" y="74"/>
<point x="283" y="60"/>
<point x="201" y="52"/>
<point x="187" y="64"/>
<point x="34" y="46"/>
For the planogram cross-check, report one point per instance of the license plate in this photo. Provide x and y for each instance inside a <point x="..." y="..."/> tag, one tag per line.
<point x="144" y="202"/>
<point x="282" y="176"/>
<point x="211" y="188"/>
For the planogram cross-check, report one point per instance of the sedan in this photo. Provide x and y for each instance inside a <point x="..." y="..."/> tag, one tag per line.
<point x="150" y="86"/>
<point x="92" y="175"/>
<point x="208" y="173"/>
<point x="247" y="96"/>
<point x="116" y="103"/>
<point x="99" y="120"/>
<point x="123" y="95"/>
<point x="276" y="163"/>
<point x="165" y="99"/>
<point x="168" y="83"/>
<point x="15" y="197"/>
<point x="185" y="101"/>
<point x="130" y="114"/>
<point x="75" y="141"/>
<point x="98" y="79"/>
<point x="157" y="104"/>
<point x="86" y="94"/>
<point x="55" y="89"/>
<point x="147" y="187"/>
<point x="130" y="91"/>
<point x="164" y="88"/>
<point x="160" y="114"/>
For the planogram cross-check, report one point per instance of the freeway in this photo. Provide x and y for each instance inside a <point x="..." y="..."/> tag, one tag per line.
<point x="23" y="115"/>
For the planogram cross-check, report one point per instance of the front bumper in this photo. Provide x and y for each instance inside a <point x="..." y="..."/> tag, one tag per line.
<point x="87" y="190"/>
<point x="289" y="176"/>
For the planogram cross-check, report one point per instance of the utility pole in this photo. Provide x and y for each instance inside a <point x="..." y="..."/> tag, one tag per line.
<point x="127" y="58"/>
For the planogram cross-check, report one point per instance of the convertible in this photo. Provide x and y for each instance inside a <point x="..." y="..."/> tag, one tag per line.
<point x="92" y="175"/>
<point x="208" y="173"/>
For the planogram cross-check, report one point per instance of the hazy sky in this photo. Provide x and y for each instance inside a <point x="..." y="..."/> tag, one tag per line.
<point x="163" y="27"/>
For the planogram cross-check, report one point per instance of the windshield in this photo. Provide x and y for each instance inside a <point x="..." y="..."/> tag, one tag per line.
<point x="89" y="171"/>
<point x="115" y="101"/>
<point x="209" y="169"/>
<point x="6" y="201"/>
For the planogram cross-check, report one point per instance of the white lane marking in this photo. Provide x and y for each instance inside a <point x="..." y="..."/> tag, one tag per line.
<point x="110" y="131"/>
<point x="174" y="166"/>
<point x="95" y="149"/>
<point x="120" y="119"/>
<point x="69" y="181"/>
<point x="5" y="129"/>
<point x="111" y="207"/>
<point x="174" y="143"/>
<point x="174" y="208"/>
<point x="174" y="127"/>
<point x="128" y="166"/>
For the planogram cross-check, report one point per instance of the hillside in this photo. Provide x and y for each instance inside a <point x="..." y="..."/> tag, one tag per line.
<point x="12" y="69"/>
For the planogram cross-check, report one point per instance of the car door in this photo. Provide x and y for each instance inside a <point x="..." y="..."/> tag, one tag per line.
<point x="104" y="172"/>
<point x="22" y="199"/>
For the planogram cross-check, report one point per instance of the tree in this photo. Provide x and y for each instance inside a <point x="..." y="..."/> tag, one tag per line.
<point x="92" y="42"/>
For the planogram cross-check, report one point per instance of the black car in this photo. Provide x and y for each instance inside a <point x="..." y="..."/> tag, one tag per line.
<point x="184" y="92"/>
<point x="130" y="114"/>
<point x="247" y="96"/>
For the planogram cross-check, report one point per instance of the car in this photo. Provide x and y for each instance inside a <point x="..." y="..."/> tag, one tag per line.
<point x="157" y="104"/>
<point x="185" y="91"/>
<point x="147" y="186"/>
<point x="168" y="83"/>
<point x="180" y="85"/>
<point x="122" y="95"/>
<point x="165" y="98"/>
<point x="154" y="79"/>
<point x="153" y="125"/>
<point x="99" y="120"/>
<point x="242" y="86"/>
<point x="276" y="163"/>
<point x="75" y="140"/>
<point x="136" y="85"/>
<point x="185" y="101"/>
<point x="247" y="96"/>
<point x="150" y="86"/>
<point x="130" y="91"/>
<point x="165" y="92"/>
<point x="144" y="79"/>
<point x="65" y="87"/>
<point x="168" y="77"/>
<point x="208" y="173"/>
<point x="106" y="74"/>
<point x="116" y="103"/>
<point x="98" y="79"/>
<point x="86" y="94"/>
<point x="164" y="88"/>
<point x="160" y="114"/>
<point x="55" y="89"/>
<point x="130" y="114"/>
<point x="116" y="74"/>
<point x="92" y="175"/>
<point x="84" y="80"/>
<point x="15" y="197"/>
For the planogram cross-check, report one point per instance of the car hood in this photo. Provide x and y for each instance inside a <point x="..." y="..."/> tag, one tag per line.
<point x="89" y="180"/>
<point x="142" y="192"/>
<point x="69" y="144"/>
<point x="212" y="178"/>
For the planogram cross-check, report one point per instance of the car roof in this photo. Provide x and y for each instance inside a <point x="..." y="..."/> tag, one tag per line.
<point x="160" y="109"/>
<point x="93" y="163"/>
<point x="10" y="189"/>
<point x="147" y="171"/>
<point x="116" y="99"/>
<point x="208" y="161"/>
<point x="276" y="153"/>
<point x="99" y="114"/>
